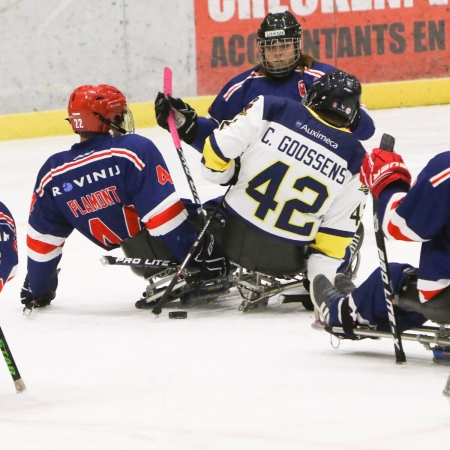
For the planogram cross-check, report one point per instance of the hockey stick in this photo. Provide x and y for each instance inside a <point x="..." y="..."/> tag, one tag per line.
<point x="387" y="143"/>
<point x="176" y="138"/>
<point x="137" y="262"/>
<point x="12" y="366"/>
<point x="163" y="300"/>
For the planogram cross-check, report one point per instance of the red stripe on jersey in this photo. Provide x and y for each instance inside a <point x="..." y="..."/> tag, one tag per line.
<point x="130" y="155"/>
<point x="40" y="247"/>
<point x="236" y="86"/>
<point x="1" y="284"/>
<point x="428" y="295"/>
<point x="7" y="218"/>
<point x="438" y="178"/>
<point x="166" y="216"/>
<point x="395" y="232"/>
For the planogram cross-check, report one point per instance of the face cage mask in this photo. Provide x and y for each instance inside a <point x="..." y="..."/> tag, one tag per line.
<point x="128" y="121"/>
<point x="124" y="127"/>
<point x="290" y="63"/>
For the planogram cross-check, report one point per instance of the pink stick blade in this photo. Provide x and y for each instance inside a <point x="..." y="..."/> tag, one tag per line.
<point x="171" y="118"/>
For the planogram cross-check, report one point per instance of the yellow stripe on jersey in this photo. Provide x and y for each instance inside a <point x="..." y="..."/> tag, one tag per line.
<point x="330" y="245"/>
<point x="346" y="130"/>
<point x="212" y="160"/>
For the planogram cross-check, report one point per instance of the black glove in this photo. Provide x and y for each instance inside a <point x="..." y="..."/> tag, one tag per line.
<point x="237" y="167"/>
<point x="185" y="116"/>
<point x="208" y="263"/>
<point x="30" y="301"/>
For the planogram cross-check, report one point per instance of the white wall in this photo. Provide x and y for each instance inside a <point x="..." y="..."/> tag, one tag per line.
<point x="50" y="47"/>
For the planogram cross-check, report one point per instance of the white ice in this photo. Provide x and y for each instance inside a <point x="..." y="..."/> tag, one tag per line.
<point x="102" y="374"/>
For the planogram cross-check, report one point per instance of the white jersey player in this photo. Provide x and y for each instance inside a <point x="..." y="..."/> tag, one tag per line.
<point x="296" y="168"/>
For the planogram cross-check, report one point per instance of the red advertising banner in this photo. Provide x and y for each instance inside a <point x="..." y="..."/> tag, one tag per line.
<point x="376" y="40"/>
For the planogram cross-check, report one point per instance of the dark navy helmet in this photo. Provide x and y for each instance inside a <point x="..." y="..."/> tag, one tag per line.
<point x="338" y="93"/>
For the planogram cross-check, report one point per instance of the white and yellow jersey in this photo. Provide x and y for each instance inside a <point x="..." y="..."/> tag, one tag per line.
<point x="299" y="176"/>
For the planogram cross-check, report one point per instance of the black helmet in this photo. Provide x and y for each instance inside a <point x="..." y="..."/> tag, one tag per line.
<point x="275" y="28"/>
<point x="338" y="93"/>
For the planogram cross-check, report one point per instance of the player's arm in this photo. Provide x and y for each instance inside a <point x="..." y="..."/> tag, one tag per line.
<point x="46" y="234"/>
<point x="8" y="246"/>
<point x="405" y="212"/>
<point x="230" y="141"/>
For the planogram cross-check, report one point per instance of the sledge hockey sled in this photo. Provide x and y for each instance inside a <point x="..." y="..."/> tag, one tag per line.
<point x="434" y="337"/>
<point x="261" y="267"/>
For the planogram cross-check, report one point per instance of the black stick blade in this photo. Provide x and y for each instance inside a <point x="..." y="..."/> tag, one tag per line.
<point x="387" y="142"/>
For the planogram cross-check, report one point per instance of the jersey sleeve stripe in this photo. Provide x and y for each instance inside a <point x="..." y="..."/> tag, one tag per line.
<point x="395" y="226"/>
<point x="213" y="157"/>
<point x="41" y="247"/>
<point x="167" y="220"/>
<point x="331" y="245"/>
<point x="8" y="221"/>
<point x="236" y="86"/>
<point x="440" y="177"/>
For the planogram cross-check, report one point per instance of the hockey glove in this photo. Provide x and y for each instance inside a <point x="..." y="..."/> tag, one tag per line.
<point x="208" y="263"/>
<point x="30" y="301"/>
<point x="185" y="116"/>
<point x="381" y="168"/>
<point x="233" y="180"/>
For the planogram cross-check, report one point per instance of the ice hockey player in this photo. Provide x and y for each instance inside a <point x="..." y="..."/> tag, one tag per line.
<point x="109" y="186"/>
<point x="295" y="170"/>
<point x="404" y="213"/>
<point x="284" y="71"/>
<point x="8" y="246"/>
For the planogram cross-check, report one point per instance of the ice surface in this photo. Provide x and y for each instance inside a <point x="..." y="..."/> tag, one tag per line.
<point x="102" y="374"/>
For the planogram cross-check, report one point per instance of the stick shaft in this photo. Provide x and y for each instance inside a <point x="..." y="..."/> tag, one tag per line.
<point x="12" y="366"/>
<point x="387" y="143"/>
<point x="176" y="137"/>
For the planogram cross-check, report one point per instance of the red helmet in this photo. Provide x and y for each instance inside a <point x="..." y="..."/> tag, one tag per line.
<point x="99" y="109"/>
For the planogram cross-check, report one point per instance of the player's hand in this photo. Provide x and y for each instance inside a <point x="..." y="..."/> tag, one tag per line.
<point x="209" y="262"/>
<point x="30" y="301"/>
<point x="381" y="168"/>
<point x="237" y="168"/>
<point x="185" y="116"/>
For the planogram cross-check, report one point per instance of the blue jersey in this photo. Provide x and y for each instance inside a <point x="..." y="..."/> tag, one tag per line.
<point x="8" y="246"/>
<point x="406" y="216"/>
<point x="108" y="189"/>
<point x="243" y="88"/>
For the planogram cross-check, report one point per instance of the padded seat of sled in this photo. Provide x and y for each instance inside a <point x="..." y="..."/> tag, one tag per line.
<point x="256" y="251"/>
<point x="437" y="309"/>
<point x="144" y="246"/>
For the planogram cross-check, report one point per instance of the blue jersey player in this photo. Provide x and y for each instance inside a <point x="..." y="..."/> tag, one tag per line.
<point x="109" y="187"/>
<point x="404" y="213"/>
<point x="284" y="71"/>
<point x="8" y="246"/>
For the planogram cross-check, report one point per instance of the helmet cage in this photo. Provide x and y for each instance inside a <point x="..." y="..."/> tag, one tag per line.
<point x="278" y="34"/>
<point x="279" y="68"/>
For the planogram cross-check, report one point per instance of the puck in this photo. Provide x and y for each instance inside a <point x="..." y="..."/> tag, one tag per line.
<point x="178" y="315"/>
